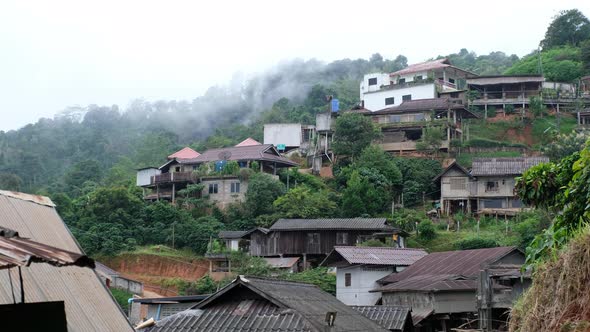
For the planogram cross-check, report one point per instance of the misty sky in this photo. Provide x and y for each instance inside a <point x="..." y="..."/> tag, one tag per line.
<point x="57" y="53"/>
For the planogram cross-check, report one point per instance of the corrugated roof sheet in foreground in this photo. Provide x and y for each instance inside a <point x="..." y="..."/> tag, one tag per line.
<point x="380" y="255"/>
<point x="390" y="317"/>
<point x="89" y="306"/>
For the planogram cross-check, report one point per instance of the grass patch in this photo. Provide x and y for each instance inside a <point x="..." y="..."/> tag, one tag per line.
<point x="544" y="127"/>
<point x="122" y="298"/>
<point x="165" y="251"/>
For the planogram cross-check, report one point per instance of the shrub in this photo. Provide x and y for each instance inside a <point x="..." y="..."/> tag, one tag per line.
<point x="426" y="230"/>
<point x="476" y="243"/>
<point x="509" y="109"/>
<point x="491" y="112"/>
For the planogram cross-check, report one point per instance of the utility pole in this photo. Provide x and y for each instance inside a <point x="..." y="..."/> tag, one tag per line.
<point x="173" y="234"/>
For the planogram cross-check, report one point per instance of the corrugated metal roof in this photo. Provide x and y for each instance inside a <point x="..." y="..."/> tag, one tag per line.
<point x="420" y="315"/>
<point x="377" y="255"/>
<point x="16" y="251"/>
<point x="185" y="153"/>
<point x="423" y="66"/>
<point x="264" y="152"/>
<point x="281" y="262"/>
<point x="445" y="266"/>
<point x="335" y="224"/>
<point x="264" y="304"/>
<point x="232" y="234"/>
<point x="504" y="166"/>
<point x="392" y="318"/>
<point x="505" y="79"/>
<point x="245" y="315"/>
<point x="420" y="105"/>
<point x="88" y="304"/>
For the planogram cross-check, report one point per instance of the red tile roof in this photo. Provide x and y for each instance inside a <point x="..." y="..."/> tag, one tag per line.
<point x="185" y="153"/>
<point x="377" y="255"/>
<point x="423" y="66"/>
<point x="249" y="142"/>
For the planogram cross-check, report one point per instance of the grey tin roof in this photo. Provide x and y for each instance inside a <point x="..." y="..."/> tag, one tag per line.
<point x="331" y="224"/>
<point x="376" y="255"/>
<point x="393" y="318"/>
<point x="504" y="166"/>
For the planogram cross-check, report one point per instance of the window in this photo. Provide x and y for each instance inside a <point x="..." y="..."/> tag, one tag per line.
<point x="452" y="80"/>
<point x="492" y="186"/>
<point x="177" y="169"/>
<point x="395" y="118"/>
<point x="458" y="184"/>
<point x="341" y="238"/>
<point x="454" y="94"/>
<point x="347" y="280"/>
<point x="419" y="78"/>
<point x="407" y="97"/>
<point x="401" y="81"/>
<point x="195" y="167"/>
<point x="373" y="81"/>
<point x="419" y="117"/>
<point x="235" y="187"/>
<point x="213" y="188"/>
<point x="389" y="101"/>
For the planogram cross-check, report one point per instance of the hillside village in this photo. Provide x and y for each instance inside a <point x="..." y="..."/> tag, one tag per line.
<point x="431" y="202"/>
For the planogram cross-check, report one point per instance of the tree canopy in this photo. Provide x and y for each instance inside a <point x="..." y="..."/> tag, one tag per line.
<point x="569" y="27"/>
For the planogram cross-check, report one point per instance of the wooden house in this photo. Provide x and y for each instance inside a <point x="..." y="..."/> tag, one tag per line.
<point x="488" y="188"/>
<point x="313" y="239"/>
<point x="442" y="288"/>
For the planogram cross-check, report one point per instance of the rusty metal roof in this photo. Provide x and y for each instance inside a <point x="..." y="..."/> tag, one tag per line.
<point x="16" y="251"/>
<point x="375" y="255"/>
<point x="232" y="234"/>
<point x="264" y="152"/>
<point x="448" y="265"/>
<point x="393" y="318"/>
<point x="504" y="166"/>
<point x="88" y="304"/>
<point x="375" y="224"/>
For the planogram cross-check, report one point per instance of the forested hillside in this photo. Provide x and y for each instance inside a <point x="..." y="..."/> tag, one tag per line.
<point x="85" y="158"/>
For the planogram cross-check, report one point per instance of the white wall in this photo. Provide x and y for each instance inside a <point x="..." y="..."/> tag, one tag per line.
<point x="144" y="176"/>
<point x="375" y="101"/>
<point x="361" y="283"/>
<point x="382" y="79"/>
<point x="283" y="133"/>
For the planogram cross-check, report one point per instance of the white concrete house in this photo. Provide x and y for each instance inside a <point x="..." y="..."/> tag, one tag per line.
<point x="289" y="135"/>
<point x="359" y="268"/>
<point x="431" y="79"/>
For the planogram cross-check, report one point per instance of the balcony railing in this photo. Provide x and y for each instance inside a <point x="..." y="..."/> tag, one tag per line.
<point x="172" y="177"/>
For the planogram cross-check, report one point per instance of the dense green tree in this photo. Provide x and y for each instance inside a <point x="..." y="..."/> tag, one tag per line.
<point x="302" y="202"/>
<point x="563" y="145"/>
<point x="585" y="56"/>
<point x="569" y="27"/>
<point x="365" y="194"/>
<point x="263" y="190"/>
<point x="560" y="64"/>
<point x="83" y="171"/>
<point x="374" y="157"/>
<point x="10" y="181"/>
<point x="353" y="133"/>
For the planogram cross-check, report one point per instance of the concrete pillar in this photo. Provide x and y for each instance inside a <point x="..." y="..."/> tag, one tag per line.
<point x="304" y="262"/>
<point x="173" y="192"/>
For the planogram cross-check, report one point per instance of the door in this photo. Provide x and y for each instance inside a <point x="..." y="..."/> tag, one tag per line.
<point x="313" y="243"/>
